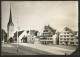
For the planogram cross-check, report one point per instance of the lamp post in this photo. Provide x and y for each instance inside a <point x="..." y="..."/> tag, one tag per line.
<point x="17" y="40"/>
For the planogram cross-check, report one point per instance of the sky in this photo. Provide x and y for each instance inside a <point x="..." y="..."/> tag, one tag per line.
<point x="34" y="15"/>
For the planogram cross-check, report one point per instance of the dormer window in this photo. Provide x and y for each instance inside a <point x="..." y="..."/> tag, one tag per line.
<point x="45" y="30"/>
<point x="66" y="29"/>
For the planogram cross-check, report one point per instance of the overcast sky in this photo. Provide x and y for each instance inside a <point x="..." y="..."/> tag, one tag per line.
<point x="37" y="14"/>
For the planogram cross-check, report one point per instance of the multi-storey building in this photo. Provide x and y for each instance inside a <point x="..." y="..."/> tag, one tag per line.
<point x="68" y="37"/>
<point x="47" y="35"/>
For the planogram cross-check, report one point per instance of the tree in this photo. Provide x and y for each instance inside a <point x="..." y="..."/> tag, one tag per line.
<point x="11" y="40"/>
<point x="36" y="33"/>
<point x="4" y="35"/>
<point x="27" y="31"/>
<point x="24" y="39"/>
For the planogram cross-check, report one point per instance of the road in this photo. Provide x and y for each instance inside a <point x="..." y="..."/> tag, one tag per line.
<point x="11" y="49"/>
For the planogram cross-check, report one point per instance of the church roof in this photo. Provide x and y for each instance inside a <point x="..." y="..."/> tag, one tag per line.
<point x="19" y="33"/>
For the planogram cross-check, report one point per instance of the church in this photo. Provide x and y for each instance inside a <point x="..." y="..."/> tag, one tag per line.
<point x="10" y="28"/>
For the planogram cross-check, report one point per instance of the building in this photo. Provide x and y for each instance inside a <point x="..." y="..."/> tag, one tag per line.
<point x="26" y="36"/>
<point x="36" y="40"/>
<point x="10" y="28"/>
<point x="15" y="35"/>
<point x="48" y="35"/>
<point x="68" y="37"/>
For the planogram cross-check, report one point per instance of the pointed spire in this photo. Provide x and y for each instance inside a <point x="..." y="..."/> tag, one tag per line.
<point x="10" y="17"/>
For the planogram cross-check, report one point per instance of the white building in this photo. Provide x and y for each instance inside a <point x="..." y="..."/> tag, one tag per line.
<point x="25" y="36"/>
<point x="68" y="37"/>
<point x="48" y="35"/>
<point x="36" y="41"/>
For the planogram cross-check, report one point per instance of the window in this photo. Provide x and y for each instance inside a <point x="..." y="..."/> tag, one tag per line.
<point x="49" y="35"/>
<point x="71" y="35"/>
<point x="71" y="42"/>
<point x="60" y="42"/>
<point x="60" y="36"/>
<point x="46" y="30"/>
<point x="68" y="33"/>
<point x="71" y="39"/>
<point x="67" y="39"/>
<point x="67" y="36"/>
<point x="76" y="37"/>
<point x="64" y="36"/>
<point x="60" y="39"/>
<point x="64" y="39"/>
<point x="76" y="42"/>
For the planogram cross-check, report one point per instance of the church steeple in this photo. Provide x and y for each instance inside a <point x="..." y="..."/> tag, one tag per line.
<point x="10" y="18"/>
<point x="10" y="26"/>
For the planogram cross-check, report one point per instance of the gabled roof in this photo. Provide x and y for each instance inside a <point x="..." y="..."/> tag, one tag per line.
<point x="19" y="33"/>
<point x="52" y="29"/>
<point x="66" y="28"/>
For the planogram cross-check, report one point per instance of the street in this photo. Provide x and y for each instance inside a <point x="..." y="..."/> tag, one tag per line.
<point x="11" y="49"/>
<point x="35" y="49"/>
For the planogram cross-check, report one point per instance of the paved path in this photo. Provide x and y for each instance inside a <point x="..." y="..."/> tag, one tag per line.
<point x="50" y="49"/>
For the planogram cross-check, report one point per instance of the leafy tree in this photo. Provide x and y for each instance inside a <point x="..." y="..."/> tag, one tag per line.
<point x="36" y="33"/>
<point x="27" y="31"/>
<point x="24" y="39"/>
<point x="11" y="40"/>
<point x="4" y="35"/>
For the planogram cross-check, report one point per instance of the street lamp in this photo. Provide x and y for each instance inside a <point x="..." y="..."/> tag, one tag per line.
<point x="17" y="40"/>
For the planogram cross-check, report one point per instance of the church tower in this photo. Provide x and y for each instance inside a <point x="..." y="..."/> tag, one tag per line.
<point x="10" y="27"/>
